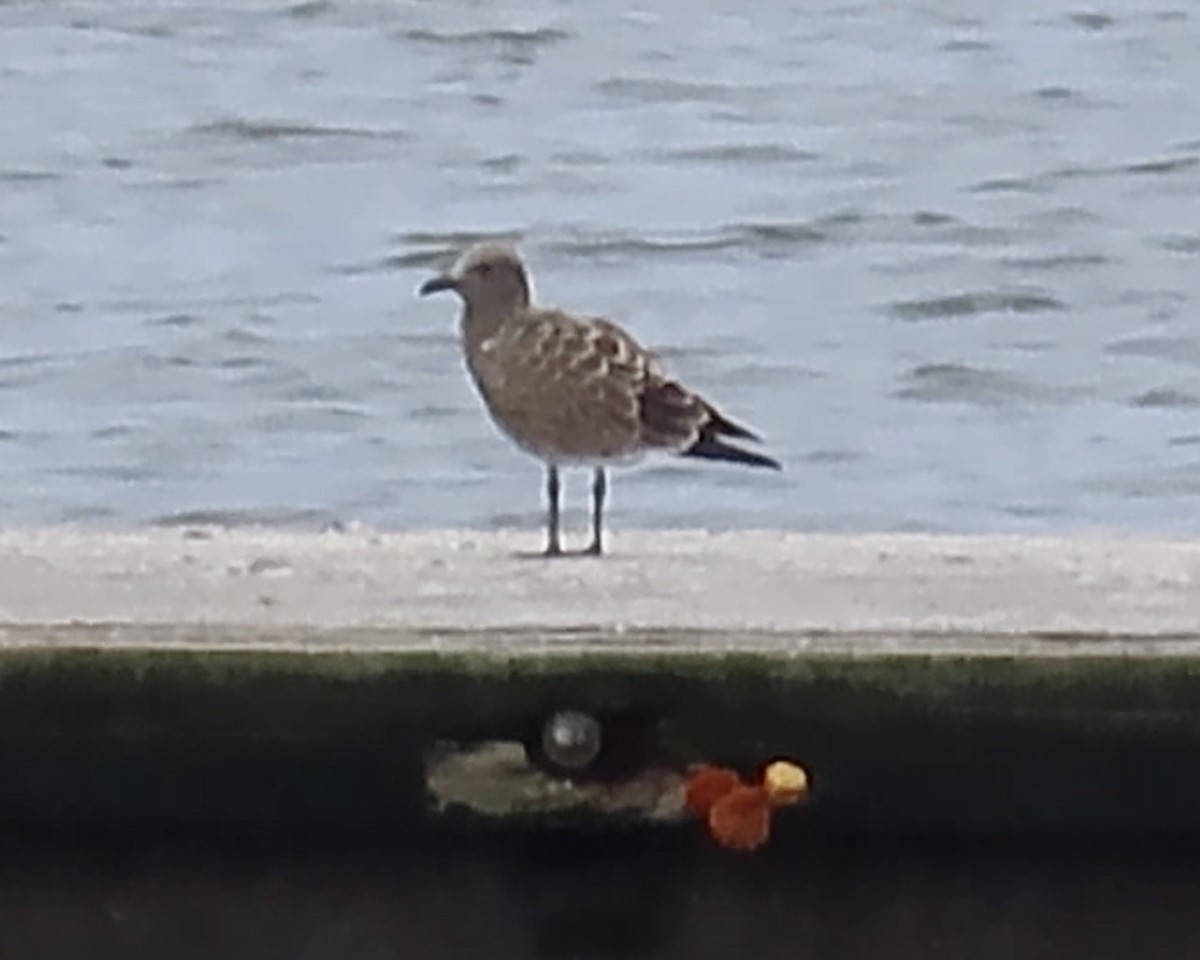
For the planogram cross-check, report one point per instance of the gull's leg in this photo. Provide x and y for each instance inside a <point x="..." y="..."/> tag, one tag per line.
<point x="599" y="492"/>
<point x="553" y="547"/>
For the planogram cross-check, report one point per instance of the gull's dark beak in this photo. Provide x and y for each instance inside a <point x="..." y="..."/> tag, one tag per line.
<point x="438" y="284"/>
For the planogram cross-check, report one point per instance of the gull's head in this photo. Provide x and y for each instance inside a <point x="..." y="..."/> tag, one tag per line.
<point x="489" y="276"/>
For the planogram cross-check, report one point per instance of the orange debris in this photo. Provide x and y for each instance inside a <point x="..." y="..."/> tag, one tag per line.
<point x="706" y="785"/>
<point x="739" y="815"/>
<point x="741" y="819"/>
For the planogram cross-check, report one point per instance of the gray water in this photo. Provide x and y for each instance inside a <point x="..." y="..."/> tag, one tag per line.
<point x="945" y="256"/>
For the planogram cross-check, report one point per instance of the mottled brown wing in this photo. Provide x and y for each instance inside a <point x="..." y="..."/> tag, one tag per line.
<point x="674" y="416"/>
<point x="571" y="386"/>
<point x="670" y="415"/>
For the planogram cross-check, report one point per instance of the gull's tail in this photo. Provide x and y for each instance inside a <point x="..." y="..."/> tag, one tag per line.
<point x="712" y="448"/>
<point x="710" y="445"/>
<point x="671" y="415"/>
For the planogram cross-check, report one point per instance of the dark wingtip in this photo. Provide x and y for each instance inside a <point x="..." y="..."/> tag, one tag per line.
<point x="724" y="427"/>
<point x="709" y="447"/>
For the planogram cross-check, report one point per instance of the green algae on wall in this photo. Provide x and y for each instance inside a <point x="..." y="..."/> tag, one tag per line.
<point x="297" y="733"/>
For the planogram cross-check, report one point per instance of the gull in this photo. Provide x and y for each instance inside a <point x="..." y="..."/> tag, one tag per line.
<point x="574" y="390"/>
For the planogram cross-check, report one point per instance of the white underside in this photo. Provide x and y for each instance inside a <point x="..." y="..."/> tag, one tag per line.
<point x="625" y="461"/>
<point x="558" y="460"/>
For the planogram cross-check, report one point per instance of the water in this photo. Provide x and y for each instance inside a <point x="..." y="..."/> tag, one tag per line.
<point x="946" y="256"/>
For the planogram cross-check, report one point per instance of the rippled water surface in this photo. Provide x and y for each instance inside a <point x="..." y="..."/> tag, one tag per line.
<point x="945" y="255"/>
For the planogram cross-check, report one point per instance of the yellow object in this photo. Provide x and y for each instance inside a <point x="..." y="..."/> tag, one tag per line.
<point x="785" y="782"/>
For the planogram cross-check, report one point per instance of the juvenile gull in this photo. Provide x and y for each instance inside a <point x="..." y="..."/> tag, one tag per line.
<point x="571" y="390"/>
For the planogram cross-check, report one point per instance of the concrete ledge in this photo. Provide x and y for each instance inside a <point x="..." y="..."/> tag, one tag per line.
<point x="276" y="680"/>
<point x="672" y="581"/>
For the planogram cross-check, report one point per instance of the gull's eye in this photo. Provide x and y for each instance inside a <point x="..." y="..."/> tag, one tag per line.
<point x="484" y="269"/>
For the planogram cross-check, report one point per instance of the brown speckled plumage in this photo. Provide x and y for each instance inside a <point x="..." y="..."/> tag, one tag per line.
<point x="574" y="390"/>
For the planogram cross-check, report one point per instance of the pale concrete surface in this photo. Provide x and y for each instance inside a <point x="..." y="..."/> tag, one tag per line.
<point x="280" y="681"/>
<point x="666" y="587"/>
